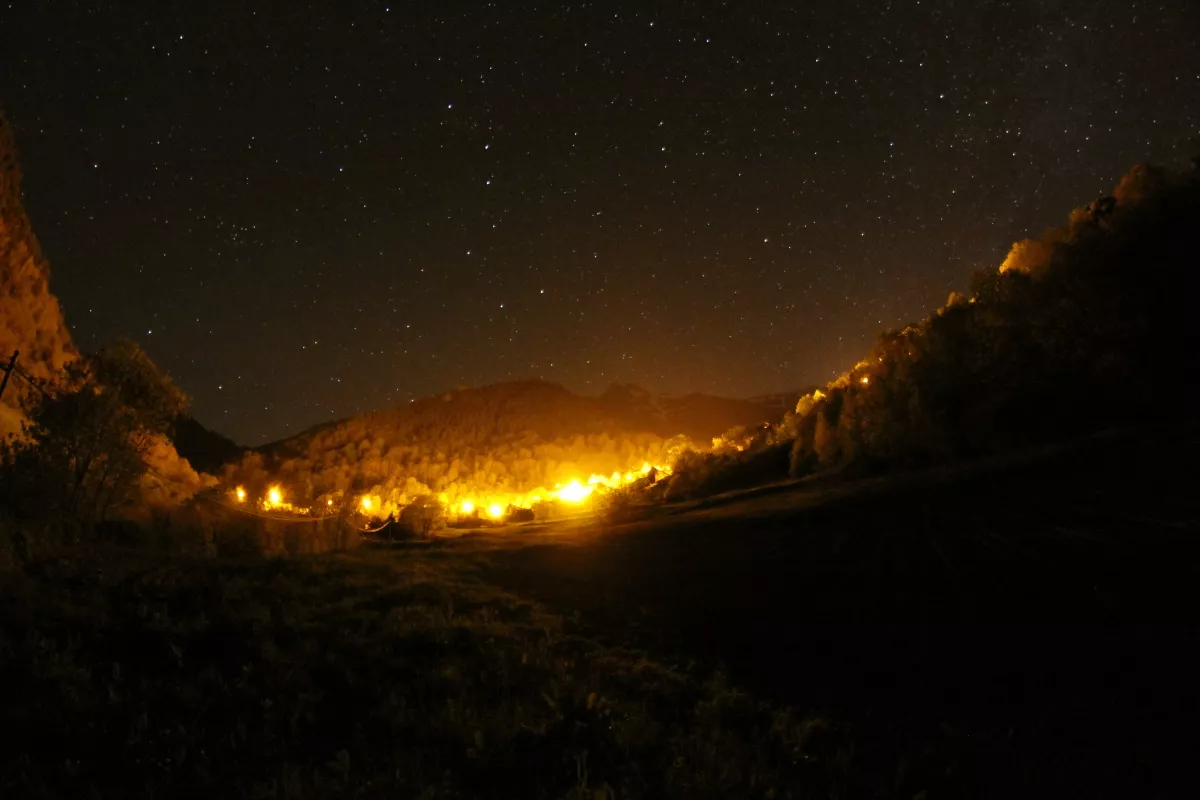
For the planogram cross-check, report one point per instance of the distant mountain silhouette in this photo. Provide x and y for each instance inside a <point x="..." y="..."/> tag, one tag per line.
<point x="206" y="450"/>
<point x="697" y="416"/>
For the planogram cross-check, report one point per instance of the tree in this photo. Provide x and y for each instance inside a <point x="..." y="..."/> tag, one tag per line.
<point x="85" y="444"/>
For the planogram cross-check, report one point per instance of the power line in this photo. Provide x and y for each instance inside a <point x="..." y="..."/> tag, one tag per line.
<point x="20" y="372"/>
<point x="12" y="365"/>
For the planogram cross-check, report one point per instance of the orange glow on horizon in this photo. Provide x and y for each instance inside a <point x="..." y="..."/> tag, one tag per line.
<point x="459" y="501"/>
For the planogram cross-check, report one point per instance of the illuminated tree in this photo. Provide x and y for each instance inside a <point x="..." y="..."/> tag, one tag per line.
<point x="87" y="438"/>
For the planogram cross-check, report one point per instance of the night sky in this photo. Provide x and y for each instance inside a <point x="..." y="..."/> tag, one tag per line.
<point x="307" y="212"/>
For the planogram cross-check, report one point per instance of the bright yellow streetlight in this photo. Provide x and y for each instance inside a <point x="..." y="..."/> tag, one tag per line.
<point x="575" y="492"/>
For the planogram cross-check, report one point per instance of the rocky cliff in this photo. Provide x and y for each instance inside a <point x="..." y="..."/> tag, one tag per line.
<point x="31" y="322"/>
<point x="30" y="318"/>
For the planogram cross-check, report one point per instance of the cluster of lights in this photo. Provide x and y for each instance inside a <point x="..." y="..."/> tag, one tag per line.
<point x="574" y="492"/>
<point x="272" y="501"/>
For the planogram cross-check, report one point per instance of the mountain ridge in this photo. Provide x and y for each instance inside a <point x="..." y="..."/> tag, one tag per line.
<point x="654" y="410"/>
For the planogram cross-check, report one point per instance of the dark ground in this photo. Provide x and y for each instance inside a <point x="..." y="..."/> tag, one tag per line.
<point x="1034" y="618"/>
<point x="1016" y="628"/>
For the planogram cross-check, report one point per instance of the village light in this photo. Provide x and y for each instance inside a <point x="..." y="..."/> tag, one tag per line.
<point x="496" y="510"/>
<point x="467" y="507"/>
<point x="240" y="494"/>
<point x="575" y="492"/>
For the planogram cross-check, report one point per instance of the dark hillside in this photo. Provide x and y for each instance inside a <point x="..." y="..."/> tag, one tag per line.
<point x="1088" y="327"/>
<point x="206" y="450"/>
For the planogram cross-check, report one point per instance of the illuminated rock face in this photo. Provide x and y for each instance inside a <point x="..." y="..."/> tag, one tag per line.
<point x="31" y="321"/>
<point x="30" y="318"/>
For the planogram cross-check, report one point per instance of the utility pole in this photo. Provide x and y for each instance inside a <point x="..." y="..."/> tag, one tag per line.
<point x="12" y="364"/>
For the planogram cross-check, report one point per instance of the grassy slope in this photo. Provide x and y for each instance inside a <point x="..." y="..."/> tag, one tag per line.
<point x="391" y="672"/>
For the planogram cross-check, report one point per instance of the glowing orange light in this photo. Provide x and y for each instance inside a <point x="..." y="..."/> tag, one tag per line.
<point x="329" y="502"/>
<point x="575" y="492"/>
<point x="366" y="503"/>
<point x="240" y="493"/>
<point x="467" y="507"/>
<point x="865" y="379"/>
<point x="496" y="510"/>
<point x="274" y="496"/>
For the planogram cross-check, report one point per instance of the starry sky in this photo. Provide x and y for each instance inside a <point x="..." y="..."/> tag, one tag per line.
<point x="308" y="211"/>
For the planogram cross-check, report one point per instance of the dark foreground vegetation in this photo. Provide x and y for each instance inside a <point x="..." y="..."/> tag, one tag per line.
<point x="1024" y="627"/>
<point x="1020" y="627"/>
<point x="386" y="673"/>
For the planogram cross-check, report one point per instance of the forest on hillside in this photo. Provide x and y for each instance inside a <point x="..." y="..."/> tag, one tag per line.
<point x="1087" y="327"/>
<point x="503" y="441"/>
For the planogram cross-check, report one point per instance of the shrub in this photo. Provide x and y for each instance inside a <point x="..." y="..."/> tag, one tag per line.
<point x="86" y="443"/>
<point x="423" y="516"/>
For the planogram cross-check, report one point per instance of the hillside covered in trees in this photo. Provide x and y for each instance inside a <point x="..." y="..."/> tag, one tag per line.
<point x="507" y="443"/>
<point x="1088" y="327"/>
